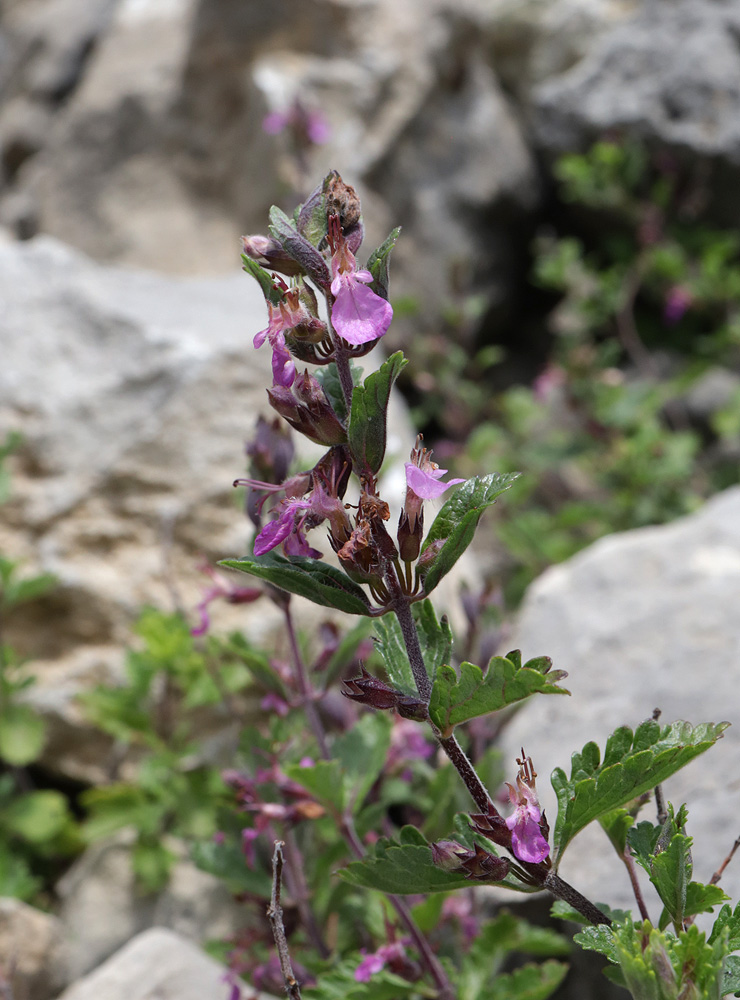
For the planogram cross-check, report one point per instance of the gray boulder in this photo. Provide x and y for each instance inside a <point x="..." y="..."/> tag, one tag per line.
<point x="670" y="75"/>
<point x="102" y="907"/>
<point x="156" y="965"/>
<point x="641" y="620"/>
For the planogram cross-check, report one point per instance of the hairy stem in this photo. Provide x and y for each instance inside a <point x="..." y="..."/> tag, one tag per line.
<point x="478" y="792"/>
<point x="629" y="863"/>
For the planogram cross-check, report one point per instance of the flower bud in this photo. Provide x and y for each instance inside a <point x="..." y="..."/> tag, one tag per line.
<point x="315" y="419"/>
<point x="269" y="253"/>
<point x="369" y="690"/>
<point x="446" y="854"/>
<point x="477" y="865"/>
<point x="409" y="539"/>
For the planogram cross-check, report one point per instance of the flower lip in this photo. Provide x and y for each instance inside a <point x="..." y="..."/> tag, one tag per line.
<point x="525" y="823"/>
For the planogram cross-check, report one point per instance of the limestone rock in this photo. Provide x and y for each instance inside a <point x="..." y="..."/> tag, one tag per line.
<point x="669" y="74"/>
<point x="30" y="951"/>
<point x="641" y="620"/>
<point x="102" y="907"/>
<point x="156" y="965"/>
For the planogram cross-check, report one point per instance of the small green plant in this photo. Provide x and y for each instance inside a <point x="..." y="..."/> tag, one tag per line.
<point x="649" y="305"/>
<point x="36" y="824"/>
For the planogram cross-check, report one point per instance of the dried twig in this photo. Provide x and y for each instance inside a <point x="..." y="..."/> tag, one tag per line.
<point x="275" y="916"/>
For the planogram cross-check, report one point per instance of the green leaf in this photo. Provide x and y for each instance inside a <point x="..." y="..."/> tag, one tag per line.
<point x="311" y="578"/>
<point x="368" y="416"/>
<point x="701" y="898"/>
<point x="22" y="735"/>
<point x="226" y="861"/>
<point x="152" y="863"/>
<point x="435" y="640"/>
<point x="731" y="976"/>
<point x="530" y="982"/>
<point x="273" y="294"/>
<point x="324" y="780"/>
<point x="454" y="527"/>
<point x="362" y="753"/>
<point x="633" y="764"/>
<point x="455" y="700"/>
<point x="339" y="984"/>
<point x="16" y="879"/>
<point x="378" y="264"/>
<point x="27" y="590"/>
<point x="346" y="651"/>
<point x="390" y="645"/>
<point x="403" y="870"/>
<point x="727" y="918"/>
<point x="670" y="874"/>
<point x="37" y="817"/>
<point x="564" y="911"/>
<point x="616" y="825"/>
<point x="298" y="247"/>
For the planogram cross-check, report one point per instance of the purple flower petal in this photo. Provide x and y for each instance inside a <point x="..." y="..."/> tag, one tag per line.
<point x="358" y="314"/>
<point x="425" y="484"/>
<point x="283" y="368"/>
<point x="368" y="967"/>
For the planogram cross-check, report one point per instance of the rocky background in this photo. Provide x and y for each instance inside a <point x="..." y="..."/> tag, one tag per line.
<point x="132" y="156"/>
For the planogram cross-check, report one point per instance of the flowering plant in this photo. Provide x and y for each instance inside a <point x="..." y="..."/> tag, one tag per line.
<point x="387" y="578"/>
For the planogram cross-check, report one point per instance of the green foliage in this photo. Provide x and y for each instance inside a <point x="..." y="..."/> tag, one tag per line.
<point x="318" y="581"/>
<point x="369" y="415"/>
<point x="474" y="693"/>
<point x="454" y="527"/>
<point x="270" y="290"/>
<point x="378" y="263"/>
<point x="632" y="764"/>
<point x="435" y="641"/>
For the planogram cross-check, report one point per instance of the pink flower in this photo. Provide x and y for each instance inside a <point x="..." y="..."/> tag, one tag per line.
<point x="424" y="482"/>
<point x="290" y="521"/>
<point x="283" y="369"/>
<point x="274" y="703"/>
<point x="677" y="302"/>
<point x="358" y="314"/>
<point x="377" y="960"/>
<point x="527" y="841"/>
<point x="249" y="836"/>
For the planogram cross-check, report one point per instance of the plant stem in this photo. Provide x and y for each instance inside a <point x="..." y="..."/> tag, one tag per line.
<point x="401" y="907"/>
<point x="275" y="916"/>
<point x="585" y="907"/>
<point x="304" y="685"/>
<point x="478" y="792"/>
<point x="429" y="959"/>
<point x="402" y="610"/>
<point x="341" y="359"/>
<point x="632" y="872"/>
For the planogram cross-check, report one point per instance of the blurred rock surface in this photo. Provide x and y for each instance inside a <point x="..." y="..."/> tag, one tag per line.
<point x="156" y="965"/>
<point x="31" y="952"/>
<point x="640" y="620"/>
<point x="102" y="907"/>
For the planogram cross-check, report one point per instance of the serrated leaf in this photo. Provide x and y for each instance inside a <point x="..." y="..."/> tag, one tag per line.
<point x="390" y="645"/>
<point x="730" y="919"/>
<point x="701" y="898"/>
<point x="299" y="248"/>
<point x="273" y="294"/>
<point x="670" y="872"/>
<point x="368" y="416"/>
<point x="601" y="939"/>
<point x="455" y="700"/>
<point x="379" y="262"/>
<point x="652" y="756"/>
<point x="311" y="578"/>
<point x="22" y="735"/>
<point x="435" y="637"/>
<point x="564" y="911"/>
<point x="454" y="527"/>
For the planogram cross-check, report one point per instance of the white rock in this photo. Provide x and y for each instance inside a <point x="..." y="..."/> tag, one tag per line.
<point x="156" y="965"/>
<point x="641" y="620"/>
